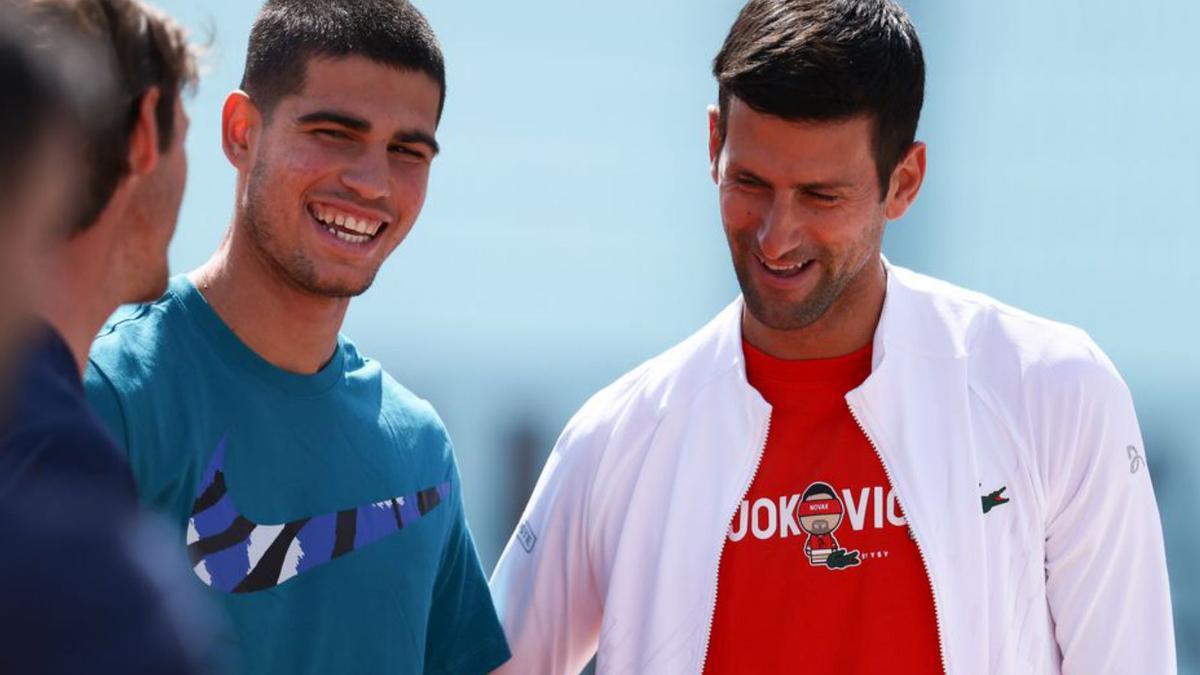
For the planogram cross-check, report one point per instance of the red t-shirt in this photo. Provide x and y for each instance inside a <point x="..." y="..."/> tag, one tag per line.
<point x="819" y="573"/>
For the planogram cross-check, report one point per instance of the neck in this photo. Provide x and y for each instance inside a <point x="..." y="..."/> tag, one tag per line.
<point x="81" y="292"/>
<point x="288" y="327"/>
<point x="849" y="325"/>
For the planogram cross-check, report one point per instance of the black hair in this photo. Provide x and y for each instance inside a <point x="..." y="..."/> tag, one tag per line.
<point x="287" y="33"/>
<point x="819" y="60"/>
<point x="34" y="102"/>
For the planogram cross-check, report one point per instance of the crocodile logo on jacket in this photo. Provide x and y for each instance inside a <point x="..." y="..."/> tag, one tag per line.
<point x="993" y="499"/>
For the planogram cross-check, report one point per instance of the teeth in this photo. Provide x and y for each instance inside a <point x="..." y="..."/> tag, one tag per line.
<point x="352" y="238"/>
<point x="783" y="268"/>
<point x="361" y="226"/>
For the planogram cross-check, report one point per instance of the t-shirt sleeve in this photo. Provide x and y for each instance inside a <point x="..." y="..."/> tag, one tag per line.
<point x="106" y="404"/>
<point x="464" y="634"/>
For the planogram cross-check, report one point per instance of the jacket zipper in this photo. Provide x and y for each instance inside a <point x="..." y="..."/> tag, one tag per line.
<point x="712" y="613"/>
<point x="937" y="614"/>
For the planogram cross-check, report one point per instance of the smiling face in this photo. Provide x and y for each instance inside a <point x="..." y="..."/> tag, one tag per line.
<point x="336" y="177"/>
<point x="802" y="210"/>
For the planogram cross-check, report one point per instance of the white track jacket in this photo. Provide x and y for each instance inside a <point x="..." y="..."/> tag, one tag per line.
<point x="618" y="550"/>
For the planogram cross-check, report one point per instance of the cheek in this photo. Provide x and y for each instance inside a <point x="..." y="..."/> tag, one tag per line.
<point x="741" y="211"/>
<point x="291" y="167"/>
<point x="411" y="185"/>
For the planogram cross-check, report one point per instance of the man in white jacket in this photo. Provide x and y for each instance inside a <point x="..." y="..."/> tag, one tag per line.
<point x="853" y="468"/>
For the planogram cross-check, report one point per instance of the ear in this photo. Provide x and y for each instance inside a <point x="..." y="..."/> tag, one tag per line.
<point x="906" y="182"/>
<point x="714" y="142"/>
<point x="240" y="125"/>
<point x="143" y="140"/>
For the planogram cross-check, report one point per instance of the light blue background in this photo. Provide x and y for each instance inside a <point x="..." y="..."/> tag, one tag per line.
<point x="571" y="228"/>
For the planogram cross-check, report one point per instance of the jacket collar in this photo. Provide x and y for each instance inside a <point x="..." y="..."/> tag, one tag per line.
<point x="914" y="321"/>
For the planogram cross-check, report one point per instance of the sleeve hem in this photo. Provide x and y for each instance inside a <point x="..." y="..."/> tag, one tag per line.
<point x="484" y="659"/>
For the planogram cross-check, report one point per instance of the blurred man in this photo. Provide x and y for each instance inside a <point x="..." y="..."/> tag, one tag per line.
<point x="320" y="499"/>
<point x="81" y="578"/>
<point x="114" y="248"/>
<point x="684" y="521"/>
<point x="36" y="178"/>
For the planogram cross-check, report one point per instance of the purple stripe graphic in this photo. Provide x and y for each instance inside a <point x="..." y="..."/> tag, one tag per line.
<point x="227" y="568"/>
<point x="316" y="542"/>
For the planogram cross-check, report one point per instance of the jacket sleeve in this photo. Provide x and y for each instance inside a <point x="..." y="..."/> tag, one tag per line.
<point x="544" y="587"/>
<point x="1106" y="572"/>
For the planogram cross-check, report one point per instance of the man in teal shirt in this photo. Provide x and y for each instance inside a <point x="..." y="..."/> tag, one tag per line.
<point x="318" y="499"/>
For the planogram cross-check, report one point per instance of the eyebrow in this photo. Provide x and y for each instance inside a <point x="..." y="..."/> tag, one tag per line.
<point x="819" y="186"/>
<point x="341" y="119"/>
<point x="362" y="126"/>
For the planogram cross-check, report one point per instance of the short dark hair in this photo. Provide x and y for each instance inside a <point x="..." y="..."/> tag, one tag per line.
<point x="819" y="60"/>
<point x="35" y="101"/>
<point x="144" y="48"/>
<point x="287" y="33"/>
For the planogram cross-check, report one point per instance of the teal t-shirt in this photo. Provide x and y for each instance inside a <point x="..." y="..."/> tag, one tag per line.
<point x="322" y="512"/>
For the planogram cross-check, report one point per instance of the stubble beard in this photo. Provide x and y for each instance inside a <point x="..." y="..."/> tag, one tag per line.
<point x="294" y="266"/>
<point x="829" y="288"/>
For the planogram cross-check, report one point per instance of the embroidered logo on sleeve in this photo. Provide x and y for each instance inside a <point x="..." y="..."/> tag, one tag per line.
<point x="526" y="536"/>
<point x="1135" y="460"/>
<point x="237" y="555"/>
<point x="993" y="499"/>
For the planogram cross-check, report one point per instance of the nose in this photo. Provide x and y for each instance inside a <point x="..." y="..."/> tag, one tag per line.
<point x="370" y="176"/>
<point x="782" y="229"/>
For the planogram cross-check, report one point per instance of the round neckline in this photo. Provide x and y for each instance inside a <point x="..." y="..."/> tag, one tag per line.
<point x="230" y="348"/>
<point x="849" y="369"/>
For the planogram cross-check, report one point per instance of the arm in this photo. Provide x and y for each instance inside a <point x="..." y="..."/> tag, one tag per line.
<point x="464" y="635"/>
<point x="544" y="588"/>
<point x="1106" y="573"/>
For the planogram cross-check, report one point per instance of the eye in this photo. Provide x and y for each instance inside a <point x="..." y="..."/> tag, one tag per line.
<point x="747" y="180"/>
<point x="823" y="197"/>
<point x="336" y="134"/>
<point x="407" y="151"/>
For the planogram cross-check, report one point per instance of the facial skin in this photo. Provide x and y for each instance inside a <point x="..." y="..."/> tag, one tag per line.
<point x="149" y="225"/>
<point x="357" y="142"/>
<point x="804" y="218"/>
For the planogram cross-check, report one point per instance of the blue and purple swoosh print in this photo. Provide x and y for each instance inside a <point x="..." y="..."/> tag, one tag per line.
<point x="234" y="554"/>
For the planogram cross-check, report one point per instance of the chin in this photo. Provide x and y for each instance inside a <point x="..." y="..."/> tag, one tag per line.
<point x="335" y="287"/>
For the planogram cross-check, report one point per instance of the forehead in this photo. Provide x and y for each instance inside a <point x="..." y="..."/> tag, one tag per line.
<point x="798" y="148"/>
<point x="384" y="95"/>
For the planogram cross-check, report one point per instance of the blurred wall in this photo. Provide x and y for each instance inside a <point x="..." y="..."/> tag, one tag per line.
<point x="1064" y="178"/>
<point x="571" y="228"/>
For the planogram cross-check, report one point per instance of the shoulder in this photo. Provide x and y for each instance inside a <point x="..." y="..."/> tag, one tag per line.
<point x="134" y="343"/>
<point x="406" y="414"/>
<point x="638" y="400"/>
<point x="984" y="328"/>
<point x="54" y="434"/>
<point x="1013" y="356"/>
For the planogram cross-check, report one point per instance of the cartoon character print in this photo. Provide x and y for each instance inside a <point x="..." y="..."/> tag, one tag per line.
<point x="820" y="513"/>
